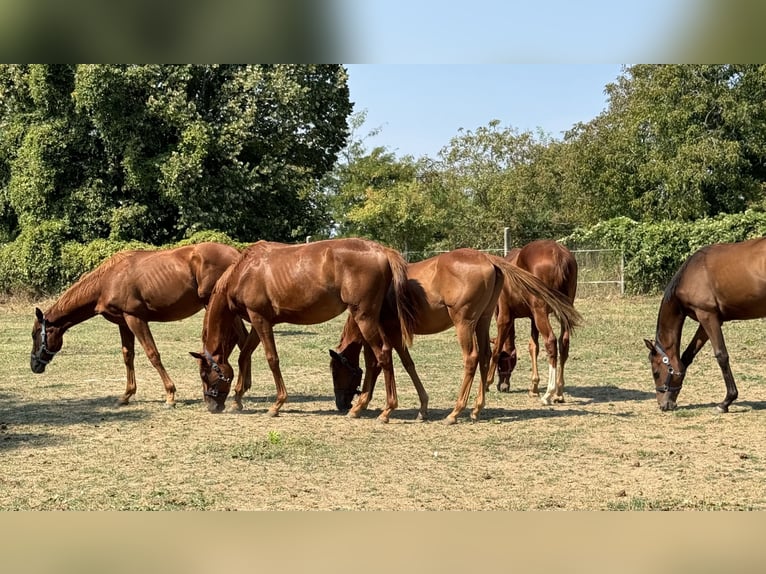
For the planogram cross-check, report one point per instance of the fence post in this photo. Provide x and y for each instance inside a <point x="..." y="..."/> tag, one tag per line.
<point x="308" y="239"/>
<point x="622" y="272"/>
<point x="506" y="240"/>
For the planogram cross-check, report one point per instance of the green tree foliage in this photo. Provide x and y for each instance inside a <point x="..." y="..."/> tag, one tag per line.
<point x="676" y="142"/>
<point x="157" y="152"/>
<point x="378" y="196"/>
<point x="499" y="177"/>
<point x="653" y="251"/>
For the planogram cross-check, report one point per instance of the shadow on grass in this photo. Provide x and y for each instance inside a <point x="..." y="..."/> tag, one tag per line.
<point x="735" y="408"/>
<point x="293" y="332"/>
<point x="15" y="416"/>
<point x="608" y="394"/>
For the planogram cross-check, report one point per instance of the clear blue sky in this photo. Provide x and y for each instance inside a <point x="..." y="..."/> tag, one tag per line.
<point x="513" y="31"/>
<point x="420" y="107"/>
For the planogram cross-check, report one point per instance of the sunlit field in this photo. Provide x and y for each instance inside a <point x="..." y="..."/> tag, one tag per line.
<point x="65" y="444"/>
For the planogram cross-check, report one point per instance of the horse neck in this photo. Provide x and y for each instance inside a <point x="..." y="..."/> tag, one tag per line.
<point x="76" y="304"/>
<point x="351" y="342"/>
<point x="218" y="334"/>
<point x="670" y="321"/>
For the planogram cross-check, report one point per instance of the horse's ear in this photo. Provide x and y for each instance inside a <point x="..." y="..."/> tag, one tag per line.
<point x="335" y="355"/>
<point x="197" y="355"/>
<point x="650" y="345"/>
<point x="39" y="314"/>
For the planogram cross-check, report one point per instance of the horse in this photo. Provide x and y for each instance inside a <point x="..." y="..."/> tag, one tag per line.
<point x="459" y="288"/>
<point x="131" y="289"/>
<point x="303" y="284"/>
<point x="718" y="283"/>
<point x="556" y="267"/>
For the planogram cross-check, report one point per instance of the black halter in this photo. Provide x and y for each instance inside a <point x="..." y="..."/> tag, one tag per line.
<point x="43" y="348"/>
<point x="666" y="388"/>
<point x="212" y="391"/>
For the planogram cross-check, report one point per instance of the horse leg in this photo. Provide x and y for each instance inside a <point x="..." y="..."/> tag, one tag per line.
<point x="244" y="377"/>
<point x="485" y="354"/>
<point x="695" y="345"/>
<point x="265" y="332"/>
<point x="409" y="366"/>
<point x="544" y="327"/>
<point x="465" y="335"/>
<point x="712" y="326"/>
<point x="563" y="356"/>
<point x="128" y="354"/>
<point x="140" y="329"/>
<point x="534" y="347"/>
<point x="378" y="342"/>
<point x="371" y="373"/>
<point x="504" y="326"/>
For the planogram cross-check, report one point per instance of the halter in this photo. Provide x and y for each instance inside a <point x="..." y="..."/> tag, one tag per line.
<point x="356" y="371"/>
<point x="213" y="392"/>
<point x="43" y="345"/>
<point x="665" y="388"/>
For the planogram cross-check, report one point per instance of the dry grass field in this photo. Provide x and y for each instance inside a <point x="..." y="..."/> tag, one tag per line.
<point x="65" y="445"/>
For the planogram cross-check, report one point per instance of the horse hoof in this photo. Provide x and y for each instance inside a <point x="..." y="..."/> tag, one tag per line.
<point x="546" y="401"/>
<point x="170" y="405"/>
<point x="122" y="402"/>
<point x="559" y="400"/>
<point x="421" y="417"/>
<point x="383" y="420"/>
<point x="722" y="409"/>
<point x="504" y="388"/>
<point x="273" y="413"/>
<point x="352" y="414"/>
<point x="450" y="420"/>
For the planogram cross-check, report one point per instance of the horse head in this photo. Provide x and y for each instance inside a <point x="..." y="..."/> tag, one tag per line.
<point x="216" y="380"/>
<point x="46" y="342"/>
<point x="506" y="362"/>
<point x="346" y="378"/>
<point x="667" y="379"/>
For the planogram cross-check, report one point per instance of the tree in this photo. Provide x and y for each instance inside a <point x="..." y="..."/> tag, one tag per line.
<point x="500" y="177"/>
<point x="676" y="142"/>
<point x="157" y="152"/>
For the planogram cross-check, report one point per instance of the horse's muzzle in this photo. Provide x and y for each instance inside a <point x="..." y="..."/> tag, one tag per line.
<point x="37" y="366"/>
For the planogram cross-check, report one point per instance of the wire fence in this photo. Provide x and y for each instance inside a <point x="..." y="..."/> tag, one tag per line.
<point x="600" y="272"/>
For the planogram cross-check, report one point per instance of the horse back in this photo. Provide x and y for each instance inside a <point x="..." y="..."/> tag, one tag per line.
<point x="552" y="263"/>
<point x="728" y="279"/>
<point x="309" y="282"/>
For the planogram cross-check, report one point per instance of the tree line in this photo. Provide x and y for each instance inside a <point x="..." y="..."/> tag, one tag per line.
<point x="157" y="154"/>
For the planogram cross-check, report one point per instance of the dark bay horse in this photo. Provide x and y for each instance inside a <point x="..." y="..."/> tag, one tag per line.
<point x="459" y="288"/>
<point x="556" y="267"/>
<point x="302" y="284"/>
<point x="718" y="283"/>
<point x="130" y="289"/>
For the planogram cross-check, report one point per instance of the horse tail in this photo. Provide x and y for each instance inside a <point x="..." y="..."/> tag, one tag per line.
<point x="405" y="305"/>
<point x="566" y="271"/>
<point x="528" y="285"/>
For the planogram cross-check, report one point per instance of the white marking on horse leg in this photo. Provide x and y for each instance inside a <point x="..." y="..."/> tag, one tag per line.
<point x="547" y="398"/>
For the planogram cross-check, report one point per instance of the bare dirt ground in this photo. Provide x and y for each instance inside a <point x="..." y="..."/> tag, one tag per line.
<point x="66" y="445"/>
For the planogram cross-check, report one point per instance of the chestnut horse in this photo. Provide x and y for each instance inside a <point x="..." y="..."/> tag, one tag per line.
<point x="718" y="283"/>
<point x="459" y="288"/>
<point x="555" y="266"/>
<point x="130" y="289"/>
<point x="302" y="284"/>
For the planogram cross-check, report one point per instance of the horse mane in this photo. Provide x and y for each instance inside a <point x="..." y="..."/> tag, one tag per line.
<point x="672" y="286"/>
<point x="88" y="283"/>
<point x="223" y="281"/>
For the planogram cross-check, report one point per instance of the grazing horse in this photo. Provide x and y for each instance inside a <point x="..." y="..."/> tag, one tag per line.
<point x="555" y="266"/>
<point x="459" y="288"/>
<point x="718" y="283"/>
<point x="302" y="284"/>
<point x="130" y="289"/>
